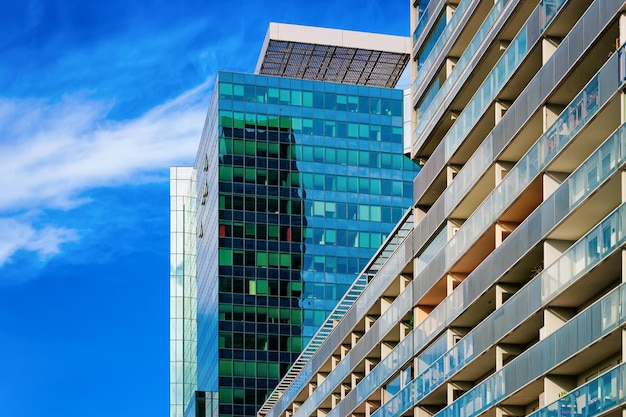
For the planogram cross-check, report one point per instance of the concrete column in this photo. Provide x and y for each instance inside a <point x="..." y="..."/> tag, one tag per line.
<point x="623" y="345"/>
<point x="501" y="169"/>
<point x="450" y="64"/>
<point x="321" y="377"/>
<point x="355" y="378"/>
<point x="344" y="390"/>
<point x="552" y="181"/>
<point x="370" y="407"/>
<point x="455" y="334"/>
<point x="405" y="330"/>
<point x="453" y="226"/>
<point x="457" y="388"/>
<point x="554" y="318"/>
<point x="451" y="171"/>
<point x="500" y="109"/>
<point x="453" y="280"/>
<point x="510" y="411"/>
<point x="416" y="269"/>
<point x="421" y="312"/>
<point x="504" y="352"/>
<point x="385" y="303"/>
<point x="556" y="386"/>
<point x="420" y="412"/>
<point x="504" y="292"/>
<point x="322" y="412"/>
<point x="622" y="110"/>
<point x="622" y="29"/>
<point x="623" y="265"/>
<point x="370" y="364"/>
<point x="503" y="230"/>
<point x="405" y="279"/>
<point x="385" y="349"/>
<point x="344" y="349"/>
<point x="548" y="47"/>
<point x="550" y="114"/>
<point x="623" y="185"/>
<point x="553" y="249"/>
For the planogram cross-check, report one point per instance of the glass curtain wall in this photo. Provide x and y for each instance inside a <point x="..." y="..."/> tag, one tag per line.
<point x="310" y="180"/>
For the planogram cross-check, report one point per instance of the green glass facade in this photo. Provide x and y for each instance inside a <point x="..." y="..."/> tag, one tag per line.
<point x="298" y="183"/>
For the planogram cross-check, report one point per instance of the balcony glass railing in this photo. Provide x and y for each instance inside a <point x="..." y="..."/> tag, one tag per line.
<point x="588" y="327"/>
<point x="567" y="125"/>
<point x="594" y="398"/>
<point x="602" y="317"/>
<point x="580" y="258"/>
<point x="427" y="56"/>
<point x="482" y="158"/>
<point x="429" y="252"/>
<point x="432" y="41"/>
<point x="422" y="18"/>
<point x="461" y="65"/>
<point x="499" y="75"/>
<point x="612" y="154"/>
<point x="432" y="353"/>
<point x="549" y="9"/>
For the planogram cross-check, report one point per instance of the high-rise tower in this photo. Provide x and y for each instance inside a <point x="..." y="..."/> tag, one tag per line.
<point x="297" y="181"/>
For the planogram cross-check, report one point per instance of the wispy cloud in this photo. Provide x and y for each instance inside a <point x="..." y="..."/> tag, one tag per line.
<point x="101" y="75"/>
<point x="53" y="152"/>
<point x="20" y="234"/>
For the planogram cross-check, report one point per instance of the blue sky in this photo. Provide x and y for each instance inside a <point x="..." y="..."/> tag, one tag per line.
<point x="97" y="100"/>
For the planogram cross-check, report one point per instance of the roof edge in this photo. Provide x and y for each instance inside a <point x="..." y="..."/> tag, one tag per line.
<point x="333" y="37"/>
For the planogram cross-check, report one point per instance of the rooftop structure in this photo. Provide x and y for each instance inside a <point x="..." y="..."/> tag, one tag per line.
<point x="333" y="55"/>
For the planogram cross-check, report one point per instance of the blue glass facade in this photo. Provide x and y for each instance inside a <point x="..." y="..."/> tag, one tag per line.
<point x="298" y="183"/>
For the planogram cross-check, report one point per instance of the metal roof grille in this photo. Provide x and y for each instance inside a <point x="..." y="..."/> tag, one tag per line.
<point x="333" y="63"/>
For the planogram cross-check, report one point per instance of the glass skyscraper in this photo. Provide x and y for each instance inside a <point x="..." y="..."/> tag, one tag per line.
<point x="311" y="180"/>
<point x="296" y="184"/>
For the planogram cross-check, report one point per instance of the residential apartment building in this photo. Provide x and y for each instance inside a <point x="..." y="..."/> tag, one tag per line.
<point x="299" y="177"/>
<point x="502" y="293"/>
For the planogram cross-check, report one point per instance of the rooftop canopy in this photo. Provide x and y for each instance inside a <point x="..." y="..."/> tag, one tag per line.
<point x="340" y="56"/>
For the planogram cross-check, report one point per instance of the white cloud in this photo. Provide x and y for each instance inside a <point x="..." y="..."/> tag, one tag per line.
<point x="21" y="235"/>
<point x="51" y="152"/>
